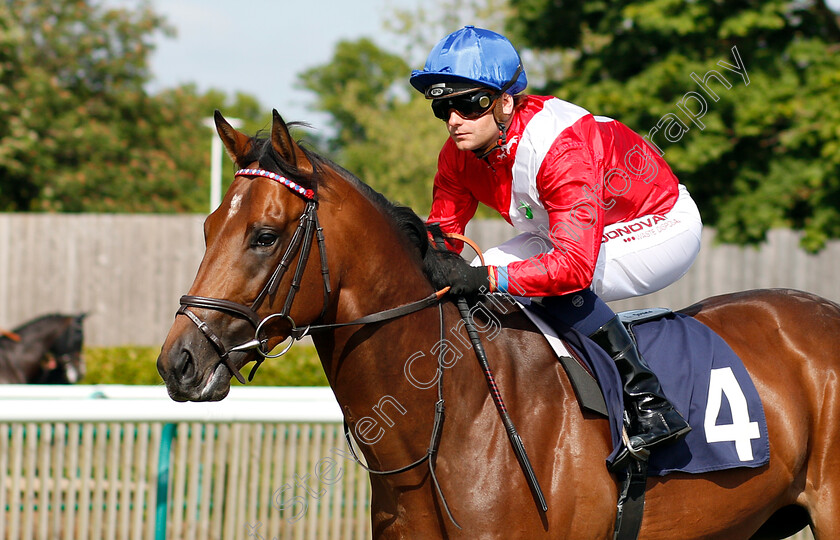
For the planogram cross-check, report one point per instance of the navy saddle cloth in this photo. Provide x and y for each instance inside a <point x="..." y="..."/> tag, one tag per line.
<point x="706" y="382"/>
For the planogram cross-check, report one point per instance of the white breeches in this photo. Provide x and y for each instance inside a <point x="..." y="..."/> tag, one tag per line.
<point x="637" y="257"/>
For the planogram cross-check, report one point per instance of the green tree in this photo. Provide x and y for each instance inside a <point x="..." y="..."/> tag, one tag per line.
<point x="360" y="73"/>
<point x="383" y="133"/>
<point x="78" y="131"/>
<point x="399" y="155"/>
<point x="766" y="152"/>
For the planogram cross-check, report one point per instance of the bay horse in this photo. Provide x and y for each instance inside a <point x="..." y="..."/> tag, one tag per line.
<point x="371" y="256"/>
<point x="45" y="350"/>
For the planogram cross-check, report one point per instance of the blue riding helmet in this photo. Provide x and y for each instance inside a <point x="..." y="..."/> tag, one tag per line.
<point x="471" y="57"/>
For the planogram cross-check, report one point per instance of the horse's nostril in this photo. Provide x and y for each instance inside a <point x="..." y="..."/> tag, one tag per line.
<point x="187" y="366"/>
<point x="183" y="366"/>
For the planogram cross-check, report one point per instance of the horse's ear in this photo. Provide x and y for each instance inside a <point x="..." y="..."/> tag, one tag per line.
<point x="284" y="145"/>
<point x="238" y="145"/>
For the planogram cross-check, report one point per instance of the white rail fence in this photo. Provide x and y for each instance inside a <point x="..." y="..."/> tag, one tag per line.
<point x="128" y="271"/>
<point x="115" y="462"/>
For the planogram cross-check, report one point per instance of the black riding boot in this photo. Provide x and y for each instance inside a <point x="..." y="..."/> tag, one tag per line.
<point x="653" y="419"/>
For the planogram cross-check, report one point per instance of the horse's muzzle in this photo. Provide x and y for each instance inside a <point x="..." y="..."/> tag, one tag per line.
<point x="187" y="380"/>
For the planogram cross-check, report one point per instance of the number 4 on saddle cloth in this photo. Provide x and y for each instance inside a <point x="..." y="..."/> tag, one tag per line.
<point x="700" y="374"/>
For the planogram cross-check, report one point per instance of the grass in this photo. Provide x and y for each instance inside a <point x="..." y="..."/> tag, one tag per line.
<point x="137" y="365"/>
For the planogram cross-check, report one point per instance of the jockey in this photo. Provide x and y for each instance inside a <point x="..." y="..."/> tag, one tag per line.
<point x="601" y="215"/>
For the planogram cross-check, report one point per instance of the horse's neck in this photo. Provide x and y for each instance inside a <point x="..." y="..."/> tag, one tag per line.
<point x="380" y="270"/>
<point x="365" y="364"/>
<point x="381" y="279"/>
<point x="9" y="372"/>
<point x="35" y="343"/>
<point x="383" y="376"/>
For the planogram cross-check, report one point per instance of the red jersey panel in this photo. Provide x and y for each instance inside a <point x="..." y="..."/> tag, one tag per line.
<point x="564" y="174"/>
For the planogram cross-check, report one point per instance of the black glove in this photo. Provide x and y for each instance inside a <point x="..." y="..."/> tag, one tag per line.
<point x="468" y="281"/>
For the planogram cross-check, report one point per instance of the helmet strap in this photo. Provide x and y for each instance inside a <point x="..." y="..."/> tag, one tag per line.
<point x="502" y="133"/>
<point x="502" y="140"/>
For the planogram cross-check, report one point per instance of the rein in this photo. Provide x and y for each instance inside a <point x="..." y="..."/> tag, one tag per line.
<point x="301" y="240"/>
<point x="434" y="442"/>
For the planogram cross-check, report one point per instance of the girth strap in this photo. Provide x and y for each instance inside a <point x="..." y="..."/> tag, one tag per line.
<point x="631" y="501"/>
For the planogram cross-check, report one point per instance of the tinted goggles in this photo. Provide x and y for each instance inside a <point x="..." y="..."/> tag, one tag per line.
<point x="468" y="106"/>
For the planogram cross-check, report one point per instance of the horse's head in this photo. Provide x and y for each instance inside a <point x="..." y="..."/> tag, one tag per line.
<point x="64" y="363"/>
<point x="243" y="301"/>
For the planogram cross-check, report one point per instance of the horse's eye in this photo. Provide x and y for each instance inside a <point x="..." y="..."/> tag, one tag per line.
<point x="266" y="239"/>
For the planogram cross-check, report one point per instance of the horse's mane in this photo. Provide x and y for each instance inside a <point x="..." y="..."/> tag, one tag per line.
<point x="436" y="262"/>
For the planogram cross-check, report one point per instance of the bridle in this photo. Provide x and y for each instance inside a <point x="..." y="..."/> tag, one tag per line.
<point x="301" y="242"/>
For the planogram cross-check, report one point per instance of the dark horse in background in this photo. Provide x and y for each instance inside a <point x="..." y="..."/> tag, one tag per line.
<point x="369" y="257"/>
<point x="46" y="350"/>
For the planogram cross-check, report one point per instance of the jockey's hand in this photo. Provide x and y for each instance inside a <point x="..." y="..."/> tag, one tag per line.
<point x="468" y="281"/>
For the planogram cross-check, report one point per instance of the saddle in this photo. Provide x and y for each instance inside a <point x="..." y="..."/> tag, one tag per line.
<point x="702" y="377"/>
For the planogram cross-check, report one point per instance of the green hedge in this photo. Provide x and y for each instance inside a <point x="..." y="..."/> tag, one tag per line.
<point x="137" y="365"/>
